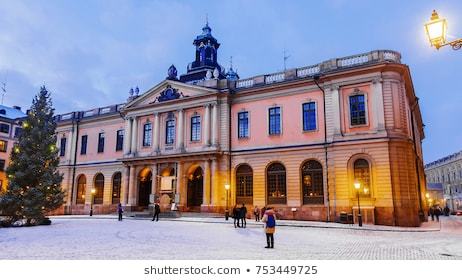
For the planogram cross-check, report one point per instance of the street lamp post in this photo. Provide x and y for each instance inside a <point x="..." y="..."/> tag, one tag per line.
<point x="227" y="206"/>
<point x="436" y="30"/>
<point x="360" y="218"/>
<point x="93" y="191"/>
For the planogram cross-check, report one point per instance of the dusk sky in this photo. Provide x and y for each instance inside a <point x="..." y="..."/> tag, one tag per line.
<point x="90" y="53"/>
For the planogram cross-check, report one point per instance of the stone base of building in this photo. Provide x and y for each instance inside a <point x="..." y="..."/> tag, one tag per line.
<point x="371" y="215"/>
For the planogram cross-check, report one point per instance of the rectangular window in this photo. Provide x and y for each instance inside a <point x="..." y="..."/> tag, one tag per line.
<point x="17" y="131"/>
<point x="147" y="135"/>
<point x="120" y="140"/>
<point x="3" y="146"/>
<point x="196" y="128"/>
<point x="62" y="147"/>
<point x="243" y="125"/>
<point x="274" y="121"/>
<point x="83" y="146"/>
<point x="170" y="132"/>
<point x="2" y="164"/>
<point x="357" y="109"/>
<point x="4" y="128"/>
<point x="101" y="142"/>
<point x="309" y="116"/>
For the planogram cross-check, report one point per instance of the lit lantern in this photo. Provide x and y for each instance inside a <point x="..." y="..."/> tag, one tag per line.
<point x="436" y="30"/>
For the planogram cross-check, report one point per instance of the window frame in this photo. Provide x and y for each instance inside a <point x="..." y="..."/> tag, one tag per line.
<point x="278" y="178"/>
<point x="315" y="116"/>
<point x="101" y="140"/>
<point x="247" y="130"/>
<point x="120" y="134"/>
<point x="170" y="128"/>
<point x="358" y="93"/>
<point x="195" y="128"/>
<point x="147" y="134"/>
<point x="269" y="120"/>
<point x="62" y="146"/>
<point x="248" y="188"/>
<point x="83" y="144"/>
<point x="369" y="179"/>
<point x="5" y="125"/>
<point x="116" y="194"/>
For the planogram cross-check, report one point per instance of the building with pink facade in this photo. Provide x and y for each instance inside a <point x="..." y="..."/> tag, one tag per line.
<point x="296" y="140"/>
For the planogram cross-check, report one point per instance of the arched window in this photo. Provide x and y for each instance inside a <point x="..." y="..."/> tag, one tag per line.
<point x="362" y="175"/>
<point x="99" y="189"/>
<point x="244" y="184"/>
<point x="312" y="183"/>
<point x="276" y="184"/>
<point x="116" y="183"/>
<point x="81" y="189"/>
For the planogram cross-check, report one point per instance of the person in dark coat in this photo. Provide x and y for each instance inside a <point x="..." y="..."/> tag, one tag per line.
<point x="236" y="213"/>
<point x="120" y="210"/>
<point x="446" y="210"/>
<point x="243" y="213"/>
<point x="156" y="212"/>
<point x="438" y="212"/>
<point x="431" y="212"/>
<point x="263" y="210"/>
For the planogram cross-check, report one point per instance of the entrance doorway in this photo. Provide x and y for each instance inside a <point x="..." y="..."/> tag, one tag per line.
<point x="144" y="187"/>
<point x="195" y="189"/>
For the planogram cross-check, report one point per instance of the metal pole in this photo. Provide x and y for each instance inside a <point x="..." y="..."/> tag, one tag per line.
<point x="360" y="218"/>
<point x="227" y="209"/>
<point x="91" y="204"/>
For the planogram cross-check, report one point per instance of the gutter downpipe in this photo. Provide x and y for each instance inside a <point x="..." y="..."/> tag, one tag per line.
<point x="419" y="187"/>
<point x="315" y="79"/>
<point x="74" y="196"/>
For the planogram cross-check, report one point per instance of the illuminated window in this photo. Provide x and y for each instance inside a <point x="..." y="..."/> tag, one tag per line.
<point x="3" y="145"/>
<point x="99" y="187"/>
<point x="116" y="184"/>
<point x="362" y="175"/>
<point x="276" y="184"/>
<point x="312" y="183"/>
<point x="81" y="188"/>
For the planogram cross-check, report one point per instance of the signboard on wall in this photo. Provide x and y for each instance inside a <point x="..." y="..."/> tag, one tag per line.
<point x="166" y="183"/>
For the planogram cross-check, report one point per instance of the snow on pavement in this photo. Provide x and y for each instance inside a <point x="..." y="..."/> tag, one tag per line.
<point x="143" y="239"/>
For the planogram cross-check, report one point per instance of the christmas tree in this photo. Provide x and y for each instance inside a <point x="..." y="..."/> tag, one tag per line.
<point x="34" y="183"/>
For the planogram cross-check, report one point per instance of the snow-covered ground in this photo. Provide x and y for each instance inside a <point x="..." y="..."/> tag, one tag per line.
<point x="71" y="238"/>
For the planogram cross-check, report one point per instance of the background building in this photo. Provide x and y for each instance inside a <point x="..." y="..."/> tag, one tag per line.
<point x="447" y="171"/>
<point x="296" y="140"/>
<point x="10" y="128"/>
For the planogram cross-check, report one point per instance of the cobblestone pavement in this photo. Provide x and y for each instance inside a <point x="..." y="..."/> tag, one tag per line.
<point x="70" y="238"/>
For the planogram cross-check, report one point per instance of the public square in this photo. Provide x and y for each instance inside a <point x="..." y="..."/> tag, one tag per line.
<point x="103" y="237"/>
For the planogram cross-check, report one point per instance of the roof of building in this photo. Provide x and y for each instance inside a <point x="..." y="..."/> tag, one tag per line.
<point x="11" y="113"/>
<point x="434" y="186"/>
<point x="444" y="160"/>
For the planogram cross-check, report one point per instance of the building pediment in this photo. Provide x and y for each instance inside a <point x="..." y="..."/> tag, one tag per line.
<point x="166" y="91"/>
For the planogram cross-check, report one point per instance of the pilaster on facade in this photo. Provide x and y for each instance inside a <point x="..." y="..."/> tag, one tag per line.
<point x="124" y="193"/>
<point x="128" y="136"/>
<point x="215" y="124"/>
<point x="180" y="131"/>
<point x="207" y="125"/>
<point x="132" y="187"/>
<point x="207" y="184"/>
<point x="156" y="139"/>
<point x="134" y="141"/>
<point x="377" y="105"/>
<point x="332" y="112"/>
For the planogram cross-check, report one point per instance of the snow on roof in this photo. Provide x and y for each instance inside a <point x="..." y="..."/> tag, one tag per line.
<point x="11" y="112"/>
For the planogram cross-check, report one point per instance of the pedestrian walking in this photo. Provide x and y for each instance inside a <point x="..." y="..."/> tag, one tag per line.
<point x="156" y="212"/>
<point x="269" y="220"/>
<point x="256" y="213"/>
<point x="236" y="214"/>
<point x="438" y="212"/>
<point x="431" y="211"/>
<point x="243" y="213"/>
<point x="446" y="210"/>
<point x="120" y="210"/>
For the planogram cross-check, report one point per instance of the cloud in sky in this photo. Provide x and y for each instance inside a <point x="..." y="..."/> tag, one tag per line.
<point x="89" y="53"/>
